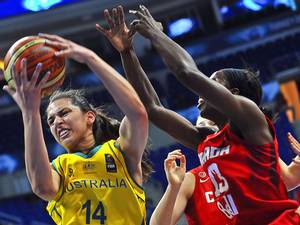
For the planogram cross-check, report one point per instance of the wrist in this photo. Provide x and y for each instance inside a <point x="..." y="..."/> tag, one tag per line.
<point x="90" y="58"/>
<point x="174" y="187"/>
<point x="31" y="114"/>
<point x="155" y="36"/>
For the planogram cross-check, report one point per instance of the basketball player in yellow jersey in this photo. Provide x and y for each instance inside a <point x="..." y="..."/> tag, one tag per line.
<point x="99" y="180"/>
<point x="100" y="186"/>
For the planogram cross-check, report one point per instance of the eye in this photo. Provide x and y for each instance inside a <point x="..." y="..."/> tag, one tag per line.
<point x="50" y="121"/>
<point x="65" y="113"/>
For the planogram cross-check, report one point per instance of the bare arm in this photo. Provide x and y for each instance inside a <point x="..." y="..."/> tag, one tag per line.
<point x="43" y="179"/>
<point x="133" y="139"/>
<point x="241" y="111"/>
<point x="179" y="190"/>
<point x="290" y="172"/>
<point x="172" y="123"/>
<point x="169" y="121"/>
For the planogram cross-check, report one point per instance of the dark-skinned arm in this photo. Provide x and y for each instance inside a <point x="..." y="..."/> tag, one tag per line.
<point x="172" y="123"/>
<point x="244" y="113"/>
<point x="169" y="121"/>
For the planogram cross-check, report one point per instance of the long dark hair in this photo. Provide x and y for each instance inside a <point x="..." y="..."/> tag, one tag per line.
<point x="105" y="128"/>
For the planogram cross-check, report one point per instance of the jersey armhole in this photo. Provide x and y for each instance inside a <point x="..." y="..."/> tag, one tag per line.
<point x="59" y="194"/>
<point x="138" y="187"/>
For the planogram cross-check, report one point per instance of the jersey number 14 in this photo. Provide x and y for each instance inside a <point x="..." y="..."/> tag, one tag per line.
<point x="97" y="214"/>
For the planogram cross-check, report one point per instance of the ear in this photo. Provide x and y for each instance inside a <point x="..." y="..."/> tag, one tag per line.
<point x="235" y="91"/>
<point x="91" y="117"/>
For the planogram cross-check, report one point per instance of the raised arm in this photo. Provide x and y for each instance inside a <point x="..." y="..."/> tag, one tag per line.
<point x="43" y="179"/>
<point x="180" y="189"/>
<point x="290" y="173"/>
<point x="134" y="127"/>
<point x="240" y="110"/>
<point x="169" y="121"/>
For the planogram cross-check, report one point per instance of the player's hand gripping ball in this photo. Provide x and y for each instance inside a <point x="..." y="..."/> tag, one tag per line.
<point x="33" y="48"/>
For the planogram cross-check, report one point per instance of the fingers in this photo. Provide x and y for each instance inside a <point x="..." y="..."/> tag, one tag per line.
<point x="23" y="73"/>
<point x="182" y="162"/>
<point x="138" y="14"/>
<point x="35" y="75"/>
<point x="9" y="90"/>
<point x="116" y="17"/>
<point x="170" y="161"/>
<point x="52" y="37"/>
<point x="120" y="14"/>
<point x="65" y="53"/>
<point x="100" y="28"/>
<point x="56" y="44"/>
<point x="15" y="76"/>
<point x="44" y="80"/>
<point x="145" y="10"/>
<point x="176" y="152"/>
<point x="294" y="143"/>
<point x="108" y="19"/>
<point x="135" y="26"/>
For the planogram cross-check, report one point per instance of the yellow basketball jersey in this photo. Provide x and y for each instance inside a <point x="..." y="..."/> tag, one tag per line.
<point x="96" y="188"/>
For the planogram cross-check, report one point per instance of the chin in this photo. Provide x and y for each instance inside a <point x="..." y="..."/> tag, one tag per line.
<point x="67" y="144"/>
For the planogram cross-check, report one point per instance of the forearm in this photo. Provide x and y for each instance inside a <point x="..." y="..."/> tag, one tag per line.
<point x="162" y="214"/>
<point x="36" y="157"/>
<point x="121" y="91"/>
<point x="138" y="78"/>
<point x="176" y="58"/>
<point x="290" y="174"/>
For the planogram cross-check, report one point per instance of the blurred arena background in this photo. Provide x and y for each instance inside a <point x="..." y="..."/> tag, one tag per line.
<point x="261" y="34"/>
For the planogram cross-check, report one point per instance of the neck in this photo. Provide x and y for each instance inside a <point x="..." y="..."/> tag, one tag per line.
<point x="85" y="145"/>
<point x="87" y="150"/>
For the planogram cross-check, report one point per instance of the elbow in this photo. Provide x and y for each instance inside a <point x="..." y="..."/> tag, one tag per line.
<point x="141" y="113"/>
<point x="43" y="191"/>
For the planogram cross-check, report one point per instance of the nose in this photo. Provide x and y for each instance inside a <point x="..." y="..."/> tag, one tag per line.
<point x="58" y="120"/>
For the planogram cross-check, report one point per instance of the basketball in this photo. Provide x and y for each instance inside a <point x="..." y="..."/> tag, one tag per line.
<point x="33" y="48"/>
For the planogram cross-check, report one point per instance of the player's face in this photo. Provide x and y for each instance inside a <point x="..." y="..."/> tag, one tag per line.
<point x="206" y="110"/>
<point x="68" y="124"/>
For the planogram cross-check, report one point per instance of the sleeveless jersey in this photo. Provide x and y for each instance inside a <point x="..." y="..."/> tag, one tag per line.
<point x="96" y="188"/>
<point x="243" y="183"/>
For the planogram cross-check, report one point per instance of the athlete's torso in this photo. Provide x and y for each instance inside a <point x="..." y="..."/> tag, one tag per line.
<point x="97" y="189"/>
<point x="237" y="183"/>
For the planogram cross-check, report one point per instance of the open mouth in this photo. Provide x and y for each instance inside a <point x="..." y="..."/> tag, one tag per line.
<point x="63" y="133"/>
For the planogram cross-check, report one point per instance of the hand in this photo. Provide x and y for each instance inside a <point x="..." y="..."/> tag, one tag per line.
<point x="175" y="174"/>
<point x="27" y="93"/>
<point x="67" y="48"/>
<point x="118" y="34"/>
<point x="294" y="144"/>
<point x="145" y="24"/>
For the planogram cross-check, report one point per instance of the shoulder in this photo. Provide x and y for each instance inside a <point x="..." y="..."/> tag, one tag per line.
<point x="188" y="185"/>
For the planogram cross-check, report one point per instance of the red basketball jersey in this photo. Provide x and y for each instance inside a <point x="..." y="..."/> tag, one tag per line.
<point x="244" y="185"/>
<point x="201" y="208"/>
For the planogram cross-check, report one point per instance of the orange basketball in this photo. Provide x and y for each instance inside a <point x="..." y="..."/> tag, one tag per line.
<point x="33" y="48"/>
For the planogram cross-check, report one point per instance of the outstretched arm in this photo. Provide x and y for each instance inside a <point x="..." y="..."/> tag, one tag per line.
<point x="240" y="110"/>
<point x="290" y="173"/>
<point x="171" y="122"/>
<point x="180" y="189"/>
<point x="27" y="94"/>
<point x="134" y="127"/>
